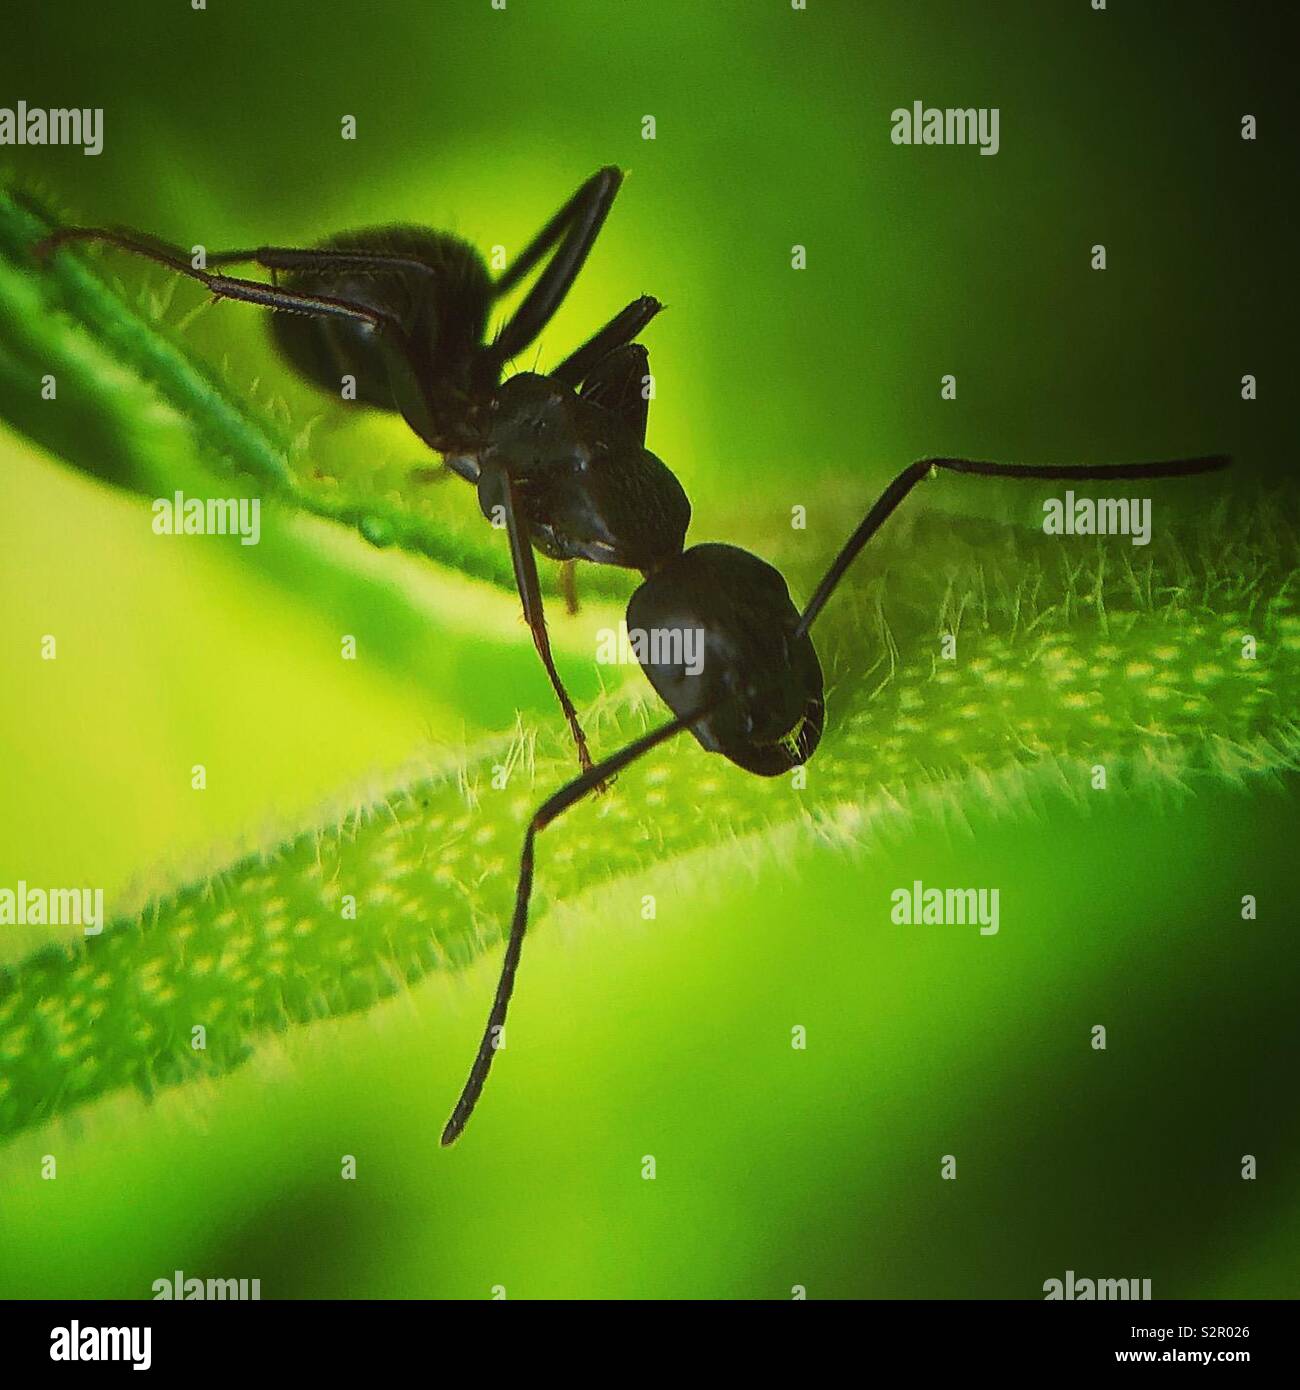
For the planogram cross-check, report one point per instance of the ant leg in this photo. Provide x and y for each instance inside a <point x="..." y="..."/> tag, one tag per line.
<point x="391" y="334"/>
<point x="228" y="287"/>
<point x="893" y="495"/>
<point x="575" y="227"/>
<point x="323" y="258"/>
<point x="618" y="332"/>
<point x="569" y="585"/>
<point x="272" y="257"/>
<point x="530" y="593"/>
<point x="618" y="383"/>
<point x="553" y="806"/>
<point x="591" y="201"/>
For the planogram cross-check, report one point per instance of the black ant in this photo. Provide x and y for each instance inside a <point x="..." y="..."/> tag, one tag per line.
<point x="558" y="459"/>
<point x="756" y="697"/>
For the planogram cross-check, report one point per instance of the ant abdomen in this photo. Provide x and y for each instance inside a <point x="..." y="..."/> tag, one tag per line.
<point x="441" y="300"/>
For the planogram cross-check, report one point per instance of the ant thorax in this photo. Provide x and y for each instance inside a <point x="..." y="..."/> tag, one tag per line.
<point x="586" y="485"/>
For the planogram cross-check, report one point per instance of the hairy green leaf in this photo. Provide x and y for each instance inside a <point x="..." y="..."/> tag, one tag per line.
<point x="1069" y="656"/>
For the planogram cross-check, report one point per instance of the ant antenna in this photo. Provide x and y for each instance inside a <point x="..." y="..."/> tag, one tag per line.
<point x="602" y="772"/>
<point x="552" y="807"/>
<point x="894" y="494"/>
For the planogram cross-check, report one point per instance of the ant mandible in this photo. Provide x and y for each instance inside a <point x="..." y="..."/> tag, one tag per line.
<point x="560" y="458"/>
<point x="757" y="696"/>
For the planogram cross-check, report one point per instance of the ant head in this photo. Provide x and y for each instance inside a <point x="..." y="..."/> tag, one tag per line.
<point x="589" y="487"/>
<point x="715" y="628"/>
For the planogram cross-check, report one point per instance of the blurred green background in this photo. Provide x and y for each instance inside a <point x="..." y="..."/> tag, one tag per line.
<point x="775" y="387"/>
